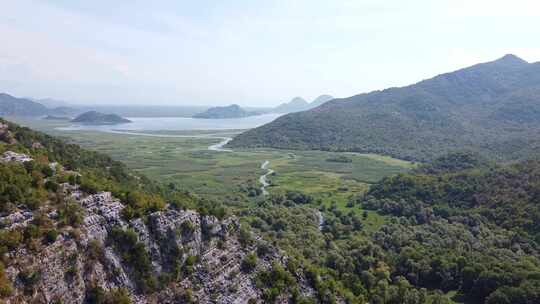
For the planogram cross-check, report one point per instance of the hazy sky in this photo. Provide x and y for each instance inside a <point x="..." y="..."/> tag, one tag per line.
<point x="248" y="52"/>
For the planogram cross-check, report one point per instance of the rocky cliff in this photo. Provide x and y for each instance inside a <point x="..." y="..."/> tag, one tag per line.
<point x="192" y="257"/>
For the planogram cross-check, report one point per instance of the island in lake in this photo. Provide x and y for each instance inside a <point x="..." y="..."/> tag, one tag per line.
<point x="232" y="111"/>
<point x="97" y="118"/>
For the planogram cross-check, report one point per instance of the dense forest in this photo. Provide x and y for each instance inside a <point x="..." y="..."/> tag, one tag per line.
<point x="459" y="229"/>
<point x="490" y="108"/>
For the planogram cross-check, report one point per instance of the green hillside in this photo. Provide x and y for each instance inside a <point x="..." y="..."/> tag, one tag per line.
<point x="492" y="108"/>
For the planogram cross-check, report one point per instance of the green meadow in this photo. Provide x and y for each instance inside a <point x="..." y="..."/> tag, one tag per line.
<point x="189" y="164"/>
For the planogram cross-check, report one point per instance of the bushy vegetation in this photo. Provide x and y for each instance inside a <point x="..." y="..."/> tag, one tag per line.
<point x="457" y="226"/>
<point x="339" y="159"/>
<point x="97" y="295"/>
<point x="249" y="262"/>
<point x="134" y="254"/>
<point x="5" y="284"/>
<point x="474" y="230"/>
<point x="31" y="182"/>
<point x="467" y="229"/>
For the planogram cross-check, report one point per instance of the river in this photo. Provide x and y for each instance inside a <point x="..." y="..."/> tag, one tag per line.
<point x="264" y="178"/>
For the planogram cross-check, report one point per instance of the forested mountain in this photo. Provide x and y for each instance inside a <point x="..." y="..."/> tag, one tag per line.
<point x="97" y="118"/>
<point x="492" y="108"/>
<point x="13" y="106"/>
<point x="232" y="111"/>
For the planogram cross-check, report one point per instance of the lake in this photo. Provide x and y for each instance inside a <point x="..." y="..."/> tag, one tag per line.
<point x="178" y="124"/>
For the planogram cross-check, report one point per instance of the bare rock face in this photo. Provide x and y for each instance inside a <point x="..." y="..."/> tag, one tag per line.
<point x="83" y="258"/>
<point x="10" y="156"/>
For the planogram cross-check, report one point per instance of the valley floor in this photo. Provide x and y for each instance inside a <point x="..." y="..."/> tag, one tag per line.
<point x="175" y="157"/>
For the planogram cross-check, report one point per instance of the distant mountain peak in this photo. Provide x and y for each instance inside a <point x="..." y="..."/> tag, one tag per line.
<point x="511" y="59"/>
<point x="298" y="99"/>
<point x="320" y="100"/>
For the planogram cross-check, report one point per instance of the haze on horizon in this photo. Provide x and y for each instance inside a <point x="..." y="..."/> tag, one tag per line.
<point x="248" y="52"/>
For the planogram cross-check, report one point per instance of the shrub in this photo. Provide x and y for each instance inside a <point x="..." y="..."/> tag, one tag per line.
<point x="339" y="159"/>
<point x="187" y="228"/>
<point x="118" y="296"/>
<point x="51" y="186"/>
<point x="249" y="263"/>
<point x="135" y="255"/>
<point x="51" y="236"/>
<point x="5" y="285"/>
<point x="70" y="213"/>
<point x="244" y="236"/>
<point x="95" y="251"/>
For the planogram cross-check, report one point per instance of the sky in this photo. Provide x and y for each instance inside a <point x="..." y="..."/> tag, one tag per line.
<point x="256" y="53"/>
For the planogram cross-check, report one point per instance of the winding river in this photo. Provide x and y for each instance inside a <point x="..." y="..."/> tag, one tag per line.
<point x="264" y="178"/>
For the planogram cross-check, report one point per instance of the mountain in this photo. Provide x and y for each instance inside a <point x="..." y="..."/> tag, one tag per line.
<point x="13" y="106"/>
<point x="492" y="108"/>
<point x="97" y="118"/>
<point x="51" y="103"/>
<point x="232" y="111"/>
<point x="320" y="100"/>
<point x="297" y="104"/>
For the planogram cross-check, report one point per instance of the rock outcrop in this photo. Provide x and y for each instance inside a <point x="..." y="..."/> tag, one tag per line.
<point x="66" y="270"/>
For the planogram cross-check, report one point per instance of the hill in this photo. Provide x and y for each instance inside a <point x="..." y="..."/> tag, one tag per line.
<point x="491" y="108"/>
<point x="232" y="111"/>
<point x="298" y="104"/>
<point x="97" y="118"/>
<point x="13" y="106"/>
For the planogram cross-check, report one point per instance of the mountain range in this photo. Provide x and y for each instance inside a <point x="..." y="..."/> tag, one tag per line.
<point x="493" y="108"/>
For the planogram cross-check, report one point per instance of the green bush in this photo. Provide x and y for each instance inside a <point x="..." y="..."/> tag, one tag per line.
<point x="5" y="285"/>
<point x="249" y="263"/>
<point x="51" y="236"/>
<point x="70" y="214"/>
<point x="134" y="254"/>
